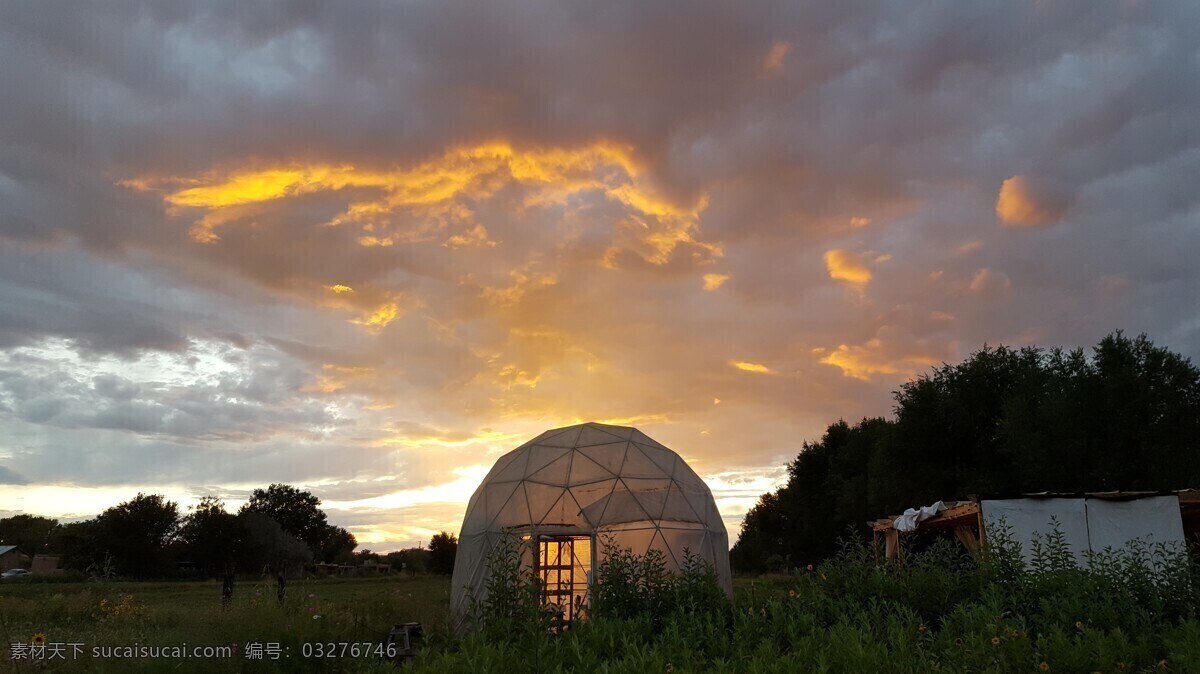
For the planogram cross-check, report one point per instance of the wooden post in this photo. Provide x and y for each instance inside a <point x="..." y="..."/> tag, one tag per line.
<point x="891" y="540"/>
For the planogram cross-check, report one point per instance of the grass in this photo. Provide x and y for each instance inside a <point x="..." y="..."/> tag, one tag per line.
<point x="176" y="613"/>
<point x="937" y="612"/>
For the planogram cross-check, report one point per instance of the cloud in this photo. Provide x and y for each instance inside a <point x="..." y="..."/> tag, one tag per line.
<point x="846" y="266"/>
<point x="1023" y="204"/>
<point x="714" y="281"/>
<point x="746" y="366"/>
<point x="8" y="476"/>
<point x="990" y="282"/>
<point x="775" y="57"/>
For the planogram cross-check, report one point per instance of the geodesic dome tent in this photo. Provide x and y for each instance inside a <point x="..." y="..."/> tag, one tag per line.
<point x="577" y="493"/>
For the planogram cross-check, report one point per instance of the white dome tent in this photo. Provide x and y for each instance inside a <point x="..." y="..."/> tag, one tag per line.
<point x="577" y="489"/>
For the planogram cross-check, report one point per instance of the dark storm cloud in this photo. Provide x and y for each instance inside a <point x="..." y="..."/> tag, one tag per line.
<point x="865" y="191"/>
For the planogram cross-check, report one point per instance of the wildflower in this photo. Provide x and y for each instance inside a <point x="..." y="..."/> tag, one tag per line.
<point x="311" y="595"/>
<point x="316" y="617"/>
<point x="958" y="642"/>
<point x="792" y="594"/>
<point x="921" y="629"/>
<point x="670" y="667"/>
<point x="1162" y="664"/>
<point x="995" y="641"/>
<point x="810" y="567"/>
<point x="1045" y="666"/>
<point x="38" y="639"/>
<point x="1078" y="624"/>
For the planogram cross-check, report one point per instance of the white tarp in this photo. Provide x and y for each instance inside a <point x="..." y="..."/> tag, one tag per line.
<point x="1087" y="524"/>
<point x="1026" y="517"/>
<point x="1113" y="524"/>
<point x="914" y="516"/>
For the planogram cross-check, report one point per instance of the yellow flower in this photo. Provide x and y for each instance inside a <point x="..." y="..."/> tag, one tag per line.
<point x="1162" y="664"/>
<point x="995" y="641"/>
<point x="792" y="593"/>
<point x="38" y="639"/>
<point x="810" y="567"/>
<point x="670" y="667"/>
<point x="1078" y="624"/>
<point x="921" y="629"/>
<point x="1045" y="666"/>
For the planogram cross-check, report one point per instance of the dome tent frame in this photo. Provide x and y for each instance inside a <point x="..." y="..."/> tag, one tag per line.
<point x="612" y="485"/>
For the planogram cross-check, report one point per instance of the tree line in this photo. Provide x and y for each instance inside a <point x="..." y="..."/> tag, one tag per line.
<point x="1004" y="421"/>
<point x="278" y="528"/>
<point x="148" y="537"/>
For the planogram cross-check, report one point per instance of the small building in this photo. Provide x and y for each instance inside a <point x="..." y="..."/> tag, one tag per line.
<point x="1089" y="522"/>
<point x="12" y="557"/>
<point x="45" y="565"/>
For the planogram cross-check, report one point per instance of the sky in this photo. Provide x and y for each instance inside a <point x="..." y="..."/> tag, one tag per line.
<point x="366" y="248"/>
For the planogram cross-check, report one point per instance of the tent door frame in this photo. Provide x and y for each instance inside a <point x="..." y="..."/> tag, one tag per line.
<point x="540" y="570"/>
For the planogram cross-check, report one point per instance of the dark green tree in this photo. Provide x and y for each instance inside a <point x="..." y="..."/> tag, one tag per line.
<point x="297" y="512"/>
<point x="1004" y="420"/>
<point x="28" y="532"/>
<point x="337" y="545"/>
<point x="210" y="537"/>
<point x="442" y="549"/>
<point x="136" y="535"/>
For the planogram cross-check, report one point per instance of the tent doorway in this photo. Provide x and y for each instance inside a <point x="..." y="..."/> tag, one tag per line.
<point x="564" y="566"/>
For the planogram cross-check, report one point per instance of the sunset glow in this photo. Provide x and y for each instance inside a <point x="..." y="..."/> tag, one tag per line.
<point x="367" y="251"/>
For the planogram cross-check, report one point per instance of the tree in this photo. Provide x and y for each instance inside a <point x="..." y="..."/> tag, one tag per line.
<point x="297" y="512"/>
<point x="1003" y="421"/>
<point x="337" y="545"/>
<point x="78" y="543"/>
<point x="442" y="549"/>
<point x="270" y="548"/>
<point x="210" y="536"/>
<point x="412" y="560"/>
<point x="28" y="532"/>
<point x="136" y="534"/>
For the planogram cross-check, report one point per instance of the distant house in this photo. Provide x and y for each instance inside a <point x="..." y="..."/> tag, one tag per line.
<point x="45" y="565"/>
<point x="12" y="557"/>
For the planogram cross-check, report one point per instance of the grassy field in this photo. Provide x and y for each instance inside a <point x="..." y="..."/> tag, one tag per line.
<point x="177" y="613"/>
<point x="937" y="612"/>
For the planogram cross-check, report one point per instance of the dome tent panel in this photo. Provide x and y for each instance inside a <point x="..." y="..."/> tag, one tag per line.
<point x="561" y="437"/>
<point x="593" y="486"/>
<point x="595" y="435"/>
<point x="609" y="457"/>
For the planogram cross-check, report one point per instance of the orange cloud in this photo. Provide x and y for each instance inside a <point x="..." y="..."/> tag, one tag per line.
<point x="334" y="378"/>
<point x="775" y="56"/>
<point x="714" y="281"/>
<point x="746" y="366"/>
<point x="339" y="289"/>
<point x="866" y="360"/>
<point x="1021" y="204"/>
<point x="550" y="175"/>
<point x="990" y="282"/>
<point x="379" y="317"/>
<point x="476" y="237"/>
<point x="846" y="266"/>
